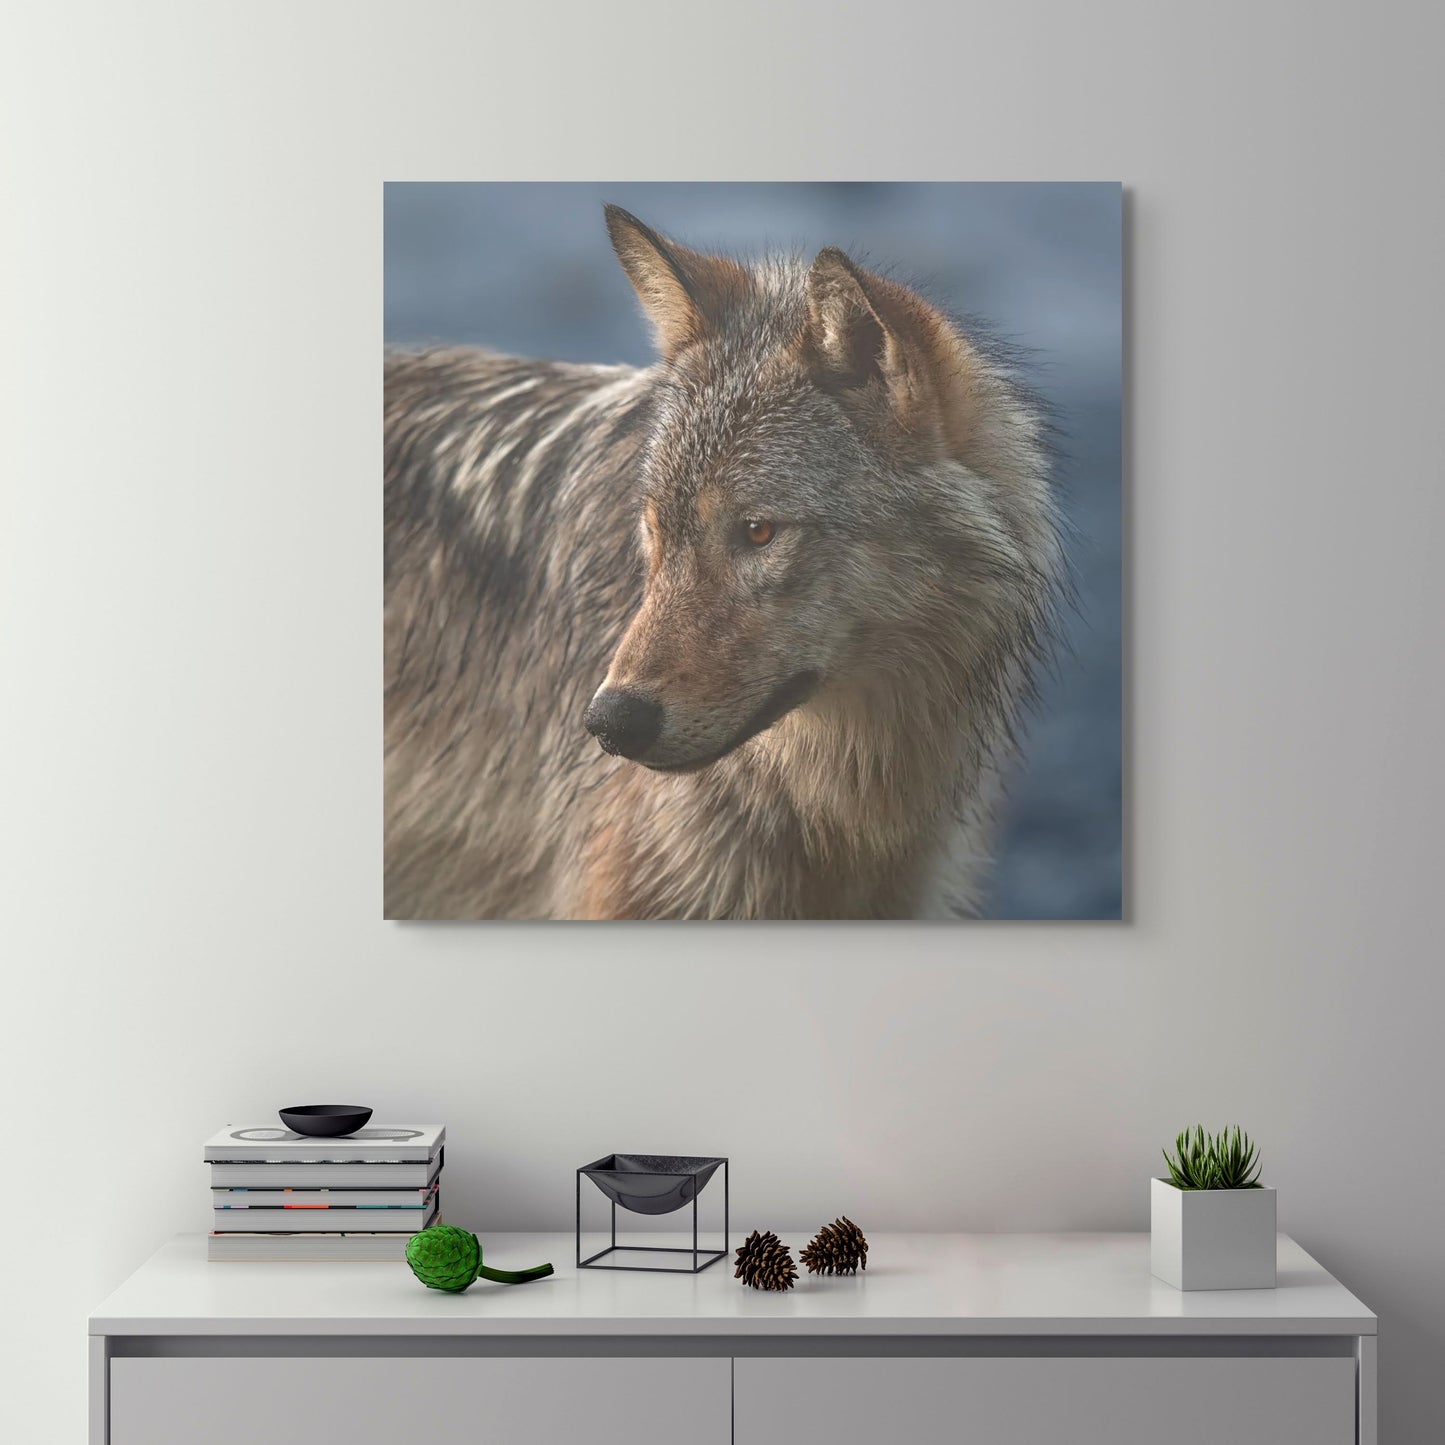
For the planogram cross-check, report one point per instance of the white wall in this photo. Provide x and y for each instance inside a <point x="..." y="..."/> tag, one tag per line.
<point x="190" y="652"/>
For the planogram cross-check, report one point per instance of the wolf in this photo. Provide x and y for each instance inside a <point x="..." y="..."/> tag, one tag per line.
<point x="742" y="634"/>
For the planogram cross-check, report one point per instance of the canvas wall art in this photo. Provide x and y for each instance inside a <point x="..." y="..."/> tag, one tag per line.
<point x="752" y="551"/>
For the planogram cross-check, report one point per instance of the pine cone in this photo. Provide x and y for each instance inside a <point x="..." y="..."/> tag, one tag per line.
<point x="444" y="1257"/>
<point x="837" y="1248"/>
<point x="765" y="1262"/>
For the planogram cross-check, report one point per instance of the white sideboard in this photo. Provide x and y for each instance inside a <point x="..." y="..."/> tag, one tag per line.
<point x="995" y="1339"/>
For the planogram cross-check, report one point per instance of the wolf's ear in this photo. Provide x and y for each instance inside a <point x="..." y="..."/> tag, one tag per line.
<point x="851" y="338"/>
<point x="683" y="292"/>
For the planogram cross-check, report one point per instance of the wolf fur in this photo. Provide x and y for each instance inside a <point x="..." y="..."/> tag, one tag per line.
<point x="835" y="702"/>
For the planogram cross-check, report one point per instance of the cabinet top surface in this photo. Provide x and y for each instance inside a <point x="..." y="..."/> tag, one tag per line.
<point x="915" y="1284"/>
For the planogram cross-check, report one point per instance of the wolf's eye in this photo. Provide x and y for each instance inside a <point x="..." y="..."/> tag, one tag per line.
<point x="758" y="532"/>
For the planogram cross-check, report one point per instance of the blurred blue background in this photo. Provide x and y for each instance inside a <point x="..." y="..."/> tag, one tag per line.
<point x="528" y="269"/>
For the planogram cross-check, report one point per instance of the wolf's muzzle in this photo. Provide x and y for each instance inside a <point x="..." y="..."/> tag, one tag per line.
<point x="625" y="723"/>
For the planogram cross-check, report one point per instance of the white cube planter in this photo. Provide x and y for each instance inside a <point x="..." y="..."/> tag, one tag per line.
<point x="1212" y="1238"/>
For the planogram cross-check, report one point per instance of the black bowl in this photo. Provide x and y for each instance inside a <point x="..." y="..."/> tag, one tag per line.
<point x="651" y="1183"/>
<point x="325" y="1121"/>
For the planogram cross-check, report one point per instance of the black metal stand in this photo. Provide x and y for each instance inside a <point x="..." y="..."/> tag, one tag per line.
<point x="701" y="1258"/>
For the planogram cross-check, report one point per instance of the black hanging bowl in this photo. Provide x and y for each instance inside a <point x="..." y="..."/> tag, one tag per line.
<point x="325" y="1121"/>
<point x="651" y="1183"/>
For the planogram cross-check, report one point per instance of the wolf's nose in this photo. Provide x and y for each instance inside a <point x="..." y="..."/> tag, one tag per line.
<point x="625" y="723"/>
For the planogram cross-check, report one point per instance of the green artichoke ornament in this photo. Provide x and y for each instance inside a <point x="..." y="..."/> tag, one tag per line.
<point x="448" y="1258"/>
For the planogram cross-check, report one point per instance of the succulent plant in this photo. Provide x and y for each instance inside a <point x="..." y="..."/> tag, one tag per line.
<point x="1227" y="1160"/>
<point x="447" y="1258"/>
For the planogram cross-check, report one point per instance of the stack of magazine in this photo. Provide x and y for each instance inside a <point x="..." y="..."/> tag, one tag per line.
<point x="278" y="1195"/>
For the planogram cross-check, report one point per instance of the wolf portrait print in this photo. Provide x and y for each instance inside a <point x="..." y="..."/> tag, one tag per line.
<point x="755" y="629"/>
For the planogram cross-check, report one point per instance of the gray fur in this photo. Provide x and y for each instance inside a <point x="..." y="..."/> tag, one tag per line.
<point x="913" y="573"/>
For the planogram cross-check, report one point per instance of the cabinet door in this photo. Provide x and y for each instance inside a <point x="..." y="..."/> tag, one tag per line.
<point x="383" y="1401"/>
<point x="1030" y="1401"/>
